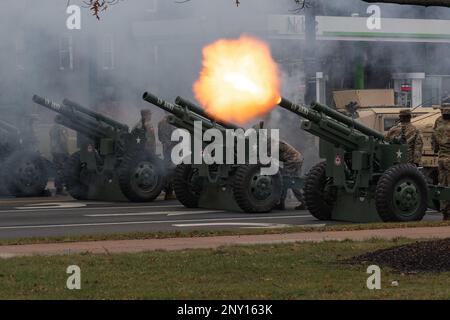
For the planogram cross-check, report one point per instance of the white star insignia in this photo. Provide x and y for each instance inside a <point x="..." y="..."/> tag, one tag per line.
<point x="399" y="154"/>
<point x="138" y="140"/>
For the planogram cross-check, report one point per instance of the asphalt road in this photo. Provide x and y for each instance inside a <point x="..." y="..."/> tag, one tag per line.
<point x="62" y="216"/>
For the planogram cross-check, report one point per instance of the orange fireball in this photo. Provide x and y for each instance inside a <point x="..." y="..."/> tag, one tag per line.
<point x="239" y="80"/>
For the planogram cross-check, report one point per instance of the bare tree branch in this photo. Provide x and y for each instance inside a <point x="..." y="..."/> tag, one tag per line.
<point x="97" y="6"/>
<point x="425" y="3"/>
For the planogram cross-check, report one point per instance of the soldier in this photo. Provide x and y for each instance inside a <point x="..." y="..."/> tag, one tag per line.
<point x="60" y="153"/>
<point x="441" y="144"/>
<point x="406" y="130"/>
<point x="146" y="123"/>
<point x="165" y="136"/>
<point x="293" y="162"/>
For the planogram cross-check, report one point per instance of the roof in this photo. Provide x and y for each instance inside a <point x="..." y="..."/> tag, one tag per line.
<point x="395" y="111"/>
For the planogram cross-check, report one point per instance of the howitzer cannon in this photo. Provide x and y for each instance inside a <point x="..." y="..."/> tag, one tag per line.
<point x="235" y="187"/>
<point x="364" y="178"/>
<point x="23" y="171"/>
<point x="113" y="163"/>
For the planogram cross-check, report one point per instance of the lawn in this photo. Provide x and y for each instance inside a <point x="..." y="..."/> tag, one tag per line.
<point x="288" y="271"/>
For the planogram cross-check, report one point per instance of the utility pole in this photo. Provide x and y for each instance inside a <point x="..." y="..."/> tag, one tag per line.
<point x="310" y="62"/>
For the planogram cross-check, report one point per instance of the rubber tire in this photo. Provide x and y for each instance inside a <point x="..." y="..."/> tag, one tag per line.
<point x="125" y="172"/>
<point x="182" y="187"/>
<point x="385" y="191"/>
<point x="243" y="197"/>
<point x="315" y="201"/>
<point x="13" y="171"/>
<point x="71" y="175"/>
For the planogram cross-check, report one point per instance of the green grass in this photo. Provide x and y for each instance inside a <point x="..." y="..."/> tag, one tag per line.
<point x="289" y="271"/>
<point x="212" y="233"/>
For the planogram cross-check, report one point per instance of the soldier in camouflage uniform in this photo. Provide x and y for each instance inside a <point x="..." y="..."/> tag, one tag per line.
<point x="441" y="144"/>
<point x="293" y="161"/>
<point x="165" y="130"/>
<point x="59" y="148"/>
<point x="406" y="130"/>
<point x="146" y="123"/>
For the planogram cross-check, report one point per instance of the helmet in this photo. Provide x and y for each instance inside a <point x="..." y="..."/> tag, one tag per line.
<point x="405" y="112"/>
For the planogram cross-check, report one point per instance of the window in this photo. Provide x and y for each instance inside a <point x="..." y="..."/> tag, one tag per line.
<point x="66" y="53"/>
<point x="108" y="53"/>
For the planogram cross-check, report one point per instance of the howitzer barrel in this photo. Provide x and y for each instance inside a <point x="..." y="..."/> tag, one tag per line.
<point x="73" y="119"/>
<point x="53" y="106"/>
<point x="165" y="105"/>
<point x="302" y="111"/>
<point x="347" y="121"/>
<point x="97" y="116"/>
<point x="325" y="127"/>
<point x="197" y="109"/>
<point x="183" y="114"/>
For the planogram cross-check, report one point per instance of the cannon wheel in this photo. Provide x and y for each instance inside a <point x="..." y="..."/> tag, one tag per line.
<point x="319" y="198"/>
<point x="401" y="194"/>
<point x="26" y="174"/>
<point x="141" y="176"/>
<point x="72" y="178"/>
<point x="256" y="193"/>
<point x="186" y="185"/>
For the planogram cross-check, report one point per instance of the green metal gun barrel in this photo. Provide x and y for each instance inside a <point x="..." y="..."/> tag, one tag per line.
<point x="185" y="117"/>
<point x="53" y="106"/>
<point x="325" y="127"/>
<point x="75" y="120"/>
<point x="348" y="121"/>
<point x="199" y="110"/>
<point x="97" y="116"/>
<point x="165" y="105"/>
<point x="299" y="110"/>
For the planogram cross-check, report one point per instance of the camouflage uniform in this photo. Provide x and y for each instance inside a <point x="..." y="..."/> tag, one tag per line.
<point x="165" y="130"/>
<point x="292" y="159"/>
<point x="146" y="123"/>
<point x="441" y="144"/>
<point x="60" y="153"/>
<point x="411" y="133"/>
<point x="293" y="162"/>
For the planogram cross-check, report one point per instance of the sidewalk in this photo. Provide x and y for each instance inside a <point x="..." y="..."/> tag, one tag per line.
<point x="133" y="246"/>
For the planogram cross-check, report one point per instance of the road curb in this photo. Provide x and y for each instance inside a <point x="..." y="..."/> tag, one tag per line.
<point x="171" y="244"/>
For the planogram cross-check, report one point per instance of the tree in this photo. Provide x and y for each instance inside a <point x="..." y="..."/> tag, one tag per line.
<point x="98" y="6"/>
<point x="425" y="3"/>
